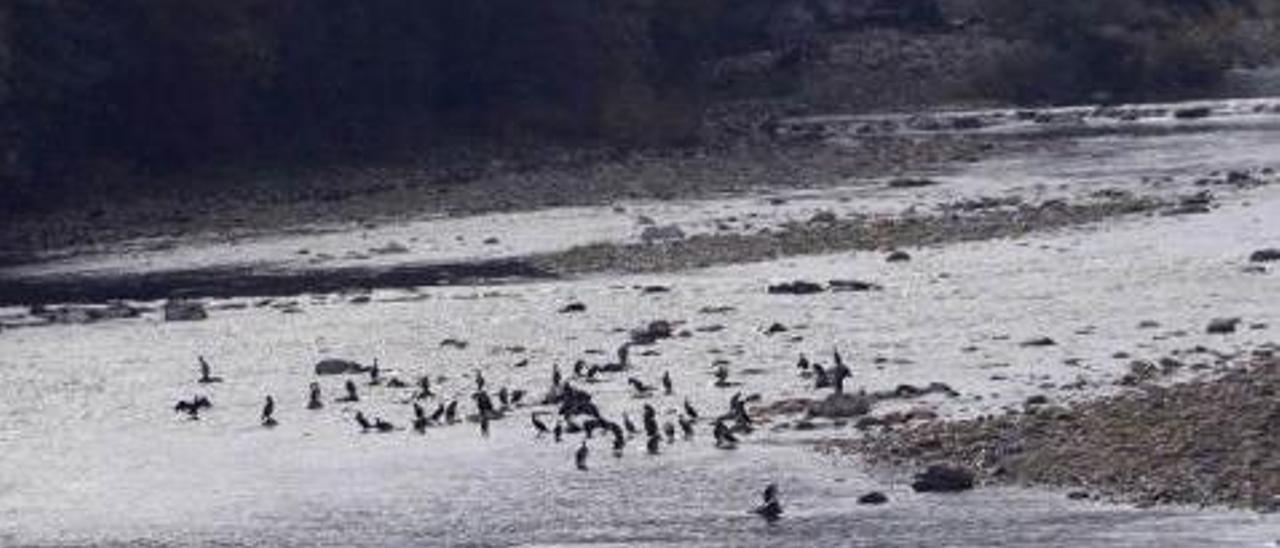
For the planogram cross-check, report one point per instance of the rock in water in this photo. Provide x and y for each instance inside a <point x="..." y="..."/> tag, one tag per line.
<point x="335" y="366"/>
<point x="799" y="287"/>
<point x="184" y="311"/>
<point x="662" y="233"/>
<point x="874" y="497"/>
<point x="943" y="478"/>
<point x="1222" y="326"/>
<point x="898" y="257"/>
<point x="1265" y="255"/>
<point x="840" y="406"/>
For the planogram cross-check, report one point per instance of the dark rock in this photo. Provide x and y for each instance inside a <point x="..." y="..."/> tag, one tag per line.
<point x="775" y="328"/>
<point x="1038" y="399"/>
<point x="1078" y="495"/>
<point x="490" y="241"/>
<point x="1192" y="113"/>
<point x="874" y="497"/>
<point x="1039" y="341"/>
<point x="333" y="366"/>
<point x="911" y="182"/>
<point x="655" y="331"/>
<point x="898" y="257"/>
<point x="1221" y="326"/>
<point x="943" y="478"/>
<point x="853" y="285"/>
<point x="841" y="406"/>
<point x="650" y="289"/>
<point x="573" y="308"/>
<point x="1265" y="255"/>
<point x="184" y="311"/>
<point x="456" y="343"/>
<point x="824" y="217"/>
<point x="798" y="287"/>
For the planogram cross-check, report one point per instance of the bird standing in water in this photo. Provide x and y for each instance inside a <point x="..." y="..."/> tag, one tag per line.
<point x="667" y="387"/>
<point x="205" y="370"/>
<point x="771" y="510"/>
<point x="268" y="410"/>
<point x="313" y="398"/>
<point x="580" y="457"/>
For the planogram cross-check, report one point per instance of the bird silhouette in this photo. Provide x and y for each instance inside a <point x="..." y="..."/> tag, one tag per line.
<point x="771" y="510"/>
<point x="268" y="412"/>
<point x="313" y="397"/>
<point x="666" y="383"/>
<point x="580" y="457"/>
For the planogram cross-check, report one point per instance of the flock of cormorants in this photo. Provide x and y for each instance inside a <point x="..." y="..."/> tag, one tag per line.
<point x="575" y="413"/>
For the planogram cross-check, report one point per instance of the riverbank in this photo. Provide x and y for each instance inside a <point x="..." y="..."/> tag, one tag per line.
<point x="1208" y="442"/>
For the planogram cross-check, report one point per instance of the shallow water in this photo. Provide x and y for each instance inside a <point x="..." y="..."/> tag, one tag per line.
<point x="91" y="453"/>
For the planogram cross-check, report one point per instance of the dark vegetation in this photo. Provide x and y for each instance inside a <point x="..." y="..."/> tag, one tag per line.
<point x="1111" y="50"/>
<point x="96" y="96"/>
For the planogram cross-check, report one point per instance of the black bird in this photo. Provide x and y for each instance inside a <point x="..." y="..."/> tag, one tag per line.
<point x="382" y="426"/>
<point x="839" y="373"/>
<point x="686" y="425"/>
<point x="630" y="426"/>
<point x="451" y="412"/>
<point x="624" y="354"/>
<point x="578" y="368"/>
<point x="419" y="419"/>
<point x="722" y="376"/>
<point x="821" y="379"/>
<point x="803" y="364"/>
<point x="205" y="377"/>
<point x="641" y="388"/>
<point x="269" y="409"/>
<point x="313" y="399"/>
<point x="521" y="363"/>
<point x="484" y="405"/>
<point x="539" y="425"/>
<point x="724" y="438"/>
<point x="556" y="377"/>
<point x="580" y="457"/>
<point x="375" y="373"/>
<point x="351" y="396"/>
<point x="650" y="421"/>
<point x="517" y="396"/>
<point x="192" y="408"/>
<point x="689" y="410"/>
<point x="771" y="510"/>
<point x="479" y="381"/>
<point x="670" y="430"/>
<point x="666" y="383"/>
<point x="364" y="423"/>
<point x="424" y="388"/>
<point x="652" y="444"/>
<point x="619" y="441"/>
<point x="558" y="432"/>
<point x="437" y="414"/>
<point x="504" y="397"/>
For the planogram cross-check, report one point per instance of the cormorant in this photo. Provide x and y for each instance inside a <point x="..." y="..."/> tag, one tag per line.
<point x="580" y="457"/>
<point x="313" y="399"/>
<point x="538" y="424"/>
<point x="205" y="377"/>
<point x="771" y="510"/>
<point x="451" y="412"/>
<point x="351" y="396"/>
<point x="689" y="410"/>
<point x="686" y="425"/>
<point x="268" y="410"/>
<point x="630" y="426"/>
<point x="666" y="383"/>
<point x="641" y="388"/>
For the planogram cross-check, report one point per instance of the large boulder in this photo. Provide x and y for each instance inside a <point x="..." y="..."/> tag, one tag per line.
<point x="943" y="478"/>
<point x="177" y="310"/>
<point x="334" y="366"/>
